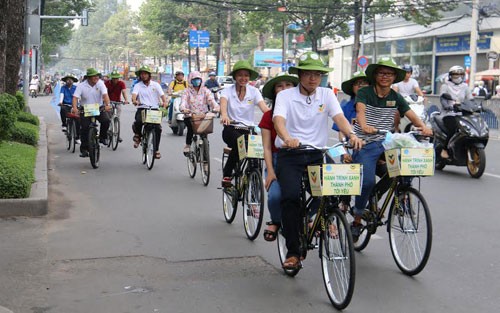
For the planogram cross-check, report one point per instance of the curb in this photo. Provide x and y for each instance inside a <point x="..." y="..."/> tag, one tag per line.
<point x="37" y="203"/>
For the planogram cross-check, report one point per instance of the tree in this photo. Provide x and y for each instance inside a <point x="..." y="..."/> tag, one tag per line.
<point x="11" y="43"/>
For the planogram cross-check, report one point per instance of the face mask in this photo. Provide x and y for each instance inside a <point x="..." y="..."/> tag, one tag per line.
<point x="196" y="82"/>
<point x="457" y="80"/>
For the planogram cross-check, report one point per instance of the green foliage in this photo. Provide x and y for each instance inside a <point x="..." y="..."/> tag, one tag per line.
<point x="8" y="110"/>
<point x="28" y="118"/>
<point x="17" y="163"/>
<point x="25" y="133"/>
<point x="21" y="102"/>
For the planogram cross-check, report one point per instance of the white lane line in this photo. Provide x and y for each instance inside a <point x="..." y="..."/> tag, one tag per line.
<point x="218" y="160"/>
<point x="492" y="175"/>
<point x="376" y="237"/>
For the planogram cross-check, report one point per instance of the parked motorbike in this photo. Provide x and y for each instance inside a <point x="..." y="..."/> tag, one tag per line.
<point x="417" y="105"/>
<point x="465" y="132"/>
<point x="33" y="91"/>
<point x="177" y="122"/>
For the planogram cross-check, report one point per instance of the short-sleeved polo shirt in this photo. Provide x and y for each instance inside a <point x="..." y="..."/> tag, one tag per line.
<point x="148" y="95"/>
<point x="115" y="91"/>
<point x="242" y="111"/>
<point x="90" y="94"/>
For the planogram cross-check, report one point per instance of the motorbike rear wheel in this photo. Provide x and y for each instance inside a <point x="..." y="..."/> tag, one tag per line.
<point x="476" y="161"/>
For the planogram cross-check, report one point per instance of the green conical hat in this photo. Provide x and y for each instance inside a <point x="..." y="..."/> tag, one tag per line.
<point x="244" y="65"/>
<point x="268" y="89"/>
<point x="92" y="72"/>
<point x="310" y="61"/>
<point x="348" y="84"/>
<point x="69" y="76"/>
<point x="115" y="74"/>
<point x="143" y="68"/>
<point x="387" y="62"/>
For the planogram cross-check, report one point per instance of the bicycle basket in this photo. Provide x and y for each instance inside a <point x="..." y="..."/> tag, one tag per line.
<point x="335" y="179"/>
<point x="202" y="124"/>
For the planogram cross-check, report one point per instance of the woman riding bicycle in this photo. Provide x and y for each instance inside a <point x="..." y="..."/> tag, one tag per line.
<point x="197" y="99"/>
<point x="376" y="108"/>
<point x="270" y="90"/>
<point x="301" y="116"/>
<point x="237" y="104"/>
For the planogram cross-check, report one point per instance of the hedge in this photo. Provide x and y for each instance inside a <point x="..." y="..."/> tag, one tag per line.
<point x="17" y="163"/>
<point x="21" y="102"/>
<point x="8" y="115"/>
<point x="28" y="118"/>
<point x="25" y="133"/>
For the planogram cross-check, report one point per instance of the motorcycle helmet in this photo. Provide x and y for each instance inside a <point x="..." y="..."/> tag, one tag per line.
<point x="211" y="74"/>
<point x="454" y="71"/>
<point x="407" y="68"/>
<point x="179" y="73"/>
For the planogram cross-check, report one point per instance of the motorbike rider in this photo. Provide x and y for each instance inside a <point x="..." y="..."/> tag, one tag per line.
<point x="178" y="84"/>
<point x="91" y="90"/>
<point x="66" y="102"/>
<point x="458" y="92"/>
<point x="35" y="83"/>
<point x="197" y="99"/>
<point x="212" y="81"/>
<point x="147" y="93"/>
<point x="376" y="108"/>
<point x="409" y="85"/>
<point x="237" y="104"/>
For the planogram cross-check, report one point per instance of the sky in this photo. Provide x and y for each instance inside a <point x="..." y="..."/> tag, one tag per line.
<point x="135" y="4"/>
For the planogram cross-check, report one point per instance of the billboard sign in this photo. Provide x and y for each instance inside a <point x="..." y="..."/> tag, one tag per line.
<point x="268" y="58"/>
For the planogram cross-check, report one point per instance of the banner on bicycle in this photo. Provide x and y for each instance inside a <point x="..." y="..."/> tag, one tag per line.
<point x="410" y="162"/>
<point x="202" y="124"/>
<point x="255" y="147"/>
<point x="91" y="109"/>
<point x="152" y="116"/>
<point x="335" y="179"/>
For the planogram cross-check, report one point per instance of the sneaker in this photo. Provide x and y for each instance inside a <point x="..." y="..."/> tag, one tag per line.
<point x="84" y="154"/>
<point x="356" y="230"/>
<point x="120" y="139"/>
<point x="77" y="141"/>
<point x="64" y="129"/>
<point x="186" y="150"/>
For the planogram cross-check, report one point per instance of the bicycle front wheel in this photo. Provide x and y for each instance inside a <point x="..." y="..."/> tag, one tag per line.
<point x="337" y="259"/>
<point x="229" y="203"/>
<point x="205" y="162"/>
<point x="72" y="129"/>
<point x="115" y="135"/>
<point x="191" y="160"/>
<point x="410" y="231"/>
<point x="253" y="204"/>
<point x="150" y="148"/>
<point x="94" y="148"/>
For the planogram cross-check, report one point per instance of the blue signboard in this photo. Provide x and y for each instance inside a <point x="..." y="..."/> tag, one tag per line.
<point x="467" y="61"/>
<point x="220" y="68"/>
<point x="199" y="38"/>
<point x="272" y="58"/>
<point x="462" y="43"/>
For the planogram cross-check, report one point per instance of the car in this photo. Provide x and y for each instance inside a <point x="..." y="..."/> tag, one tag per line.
<point x="225" y="81"/>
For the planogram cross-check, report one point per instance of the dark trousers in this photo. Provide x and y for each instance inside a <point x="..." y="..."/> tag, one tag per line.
<point x="189" y="126"/>
<point x="291" y="167"/>
<point x="230" y="136"/>
<point x="63" y="112"/>
<point x="103" y="119"/>
<point x="137" y="127"/>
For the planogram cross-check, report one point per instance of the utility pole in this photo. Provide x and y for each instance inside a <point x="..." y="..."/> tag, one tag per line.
<point x="473" y="43"/>
<point x="26" y="55"/>
<point x="363" y="8"/>
<point x="228" y="54"/>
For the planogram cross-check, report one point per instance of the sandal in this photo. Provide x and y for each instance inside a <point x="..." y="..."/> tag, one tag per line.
<point x="227" y="182"/>
<point x="270" y="235"/>
<point x="137" y="140"/>
<point x="157" y="155"/>
<point x="291" y="263"/>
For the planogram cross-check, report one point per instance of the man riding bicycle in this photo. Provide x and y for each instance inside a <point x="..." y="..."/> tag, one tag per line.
<point x="117" y="89"/>
<point x="376" y="108"/>
<point x="91" y="90"/>
<point x="146" y="94"/>
<point x="301" y="117"/>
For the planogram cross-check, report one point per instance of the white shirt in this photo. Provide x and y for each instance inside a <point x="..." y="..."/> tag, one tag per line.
<point x="148" y="96"/>
<point x="90" y="94"/>
<point x="407" y="88"/>
<point x="307" y="122"/>
<point x="242" y="111"/>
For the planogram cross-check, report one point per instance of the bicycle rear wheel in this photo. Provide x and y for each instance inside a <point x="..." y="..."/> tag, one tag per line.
<point x="229" y="203"/>
<point x="115" y="135"/>
<point x="337" y="259"/>
<point x="94" y="148"/>
<point x="191" y="159"/>
<point x="72" y="129"/>
<point x="205" y="161"/>
<point x="150" y="148"/>
<point x="410" y="231"/>
<point x="253" y="204"/>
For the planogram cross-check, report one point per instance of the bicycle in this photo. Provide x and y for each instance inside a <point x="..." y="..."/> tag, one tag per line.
<point x="71" y="131"/>
<point x="247" y="187"/>
<point x="114" y="127"/>
<point x="326" y="222"/>
<point x="151" y="118"/>
<point x="409" y="217"/>
<point x="200" y="150"/>
<point x="92" y="110"/>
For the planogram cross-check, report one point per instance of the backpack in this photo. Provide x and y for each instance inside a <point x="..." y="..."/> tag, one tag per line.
<point x="482" y="92"/>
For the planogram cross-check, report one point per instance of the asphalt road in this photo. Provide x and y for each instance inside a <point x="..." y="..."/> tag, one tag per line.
<point x="124" y="239"/>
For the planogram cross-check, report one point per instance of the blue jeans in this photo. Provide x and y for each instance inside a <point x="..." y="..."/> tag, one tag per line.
<point x="274" y="196"/>
<point x="171" y="109"/>
<point x="368" y="156"/>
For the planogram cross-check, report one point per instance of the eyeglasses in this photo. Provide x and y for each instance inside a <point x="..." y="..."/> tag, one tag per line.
<point x="386" y="74"/>
<point x="311" y="74"/>
<point x="361" y="83"/>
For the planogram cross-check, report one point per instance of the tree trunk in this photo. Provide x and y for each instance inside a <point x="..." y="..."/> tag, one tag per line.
<point x="262" y="41"/>
<point x="3" y="43"/>
<point x="357" y="32"/>
<point x="14" y="42"/>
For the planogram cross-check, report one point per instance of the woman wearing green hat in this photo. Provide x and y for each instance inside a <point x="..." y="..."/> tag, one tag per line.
<point x="376" y="109"/>
<point x="237" y="105"/>
<point x="301" y="116"/>
<point x="270" y="90"/>
<point x="66" y="101"/>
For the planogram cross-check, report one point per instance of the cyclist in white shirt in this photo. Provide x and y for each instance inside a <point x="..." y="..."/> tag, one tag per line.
<point x="301" y="116"/>
<point x="146" y="94"/>
<point x="92" y="90"/>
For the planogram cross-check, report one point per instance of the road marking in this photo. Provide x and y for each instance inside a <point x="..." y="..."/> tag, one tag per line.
<point x="218" y="160"/>
<point x="376" y="237"/>
<point x="492" y="175"/>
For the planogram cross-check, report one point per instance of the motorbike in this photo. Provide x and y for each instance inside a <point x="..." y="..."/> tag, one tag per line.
<point x="177" y="122"/>
<point x="48" y="89"/>
<point x="465" y="132"/>
<point x="33" y="91"/>
<point x="216" y="91"/>
<point x="417" y="105"/>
